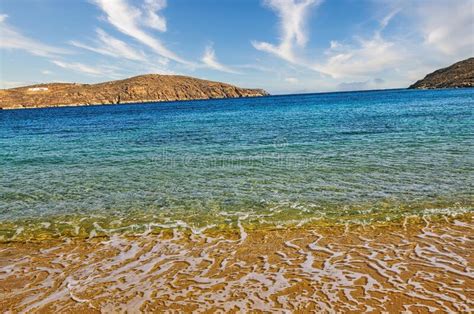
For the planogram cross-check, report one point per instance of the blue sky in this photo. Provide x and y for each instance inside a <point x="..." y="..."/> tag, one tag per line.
<point x="283" y="46"/>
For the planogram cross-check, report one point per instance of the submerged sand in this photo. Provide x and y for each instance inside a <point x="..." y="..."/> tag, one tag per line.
<point x="420" y="265"/>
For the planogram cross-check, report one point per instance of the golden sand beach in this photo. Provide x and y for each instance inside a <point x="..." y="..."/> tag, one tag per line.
<point x="418" y="265"/>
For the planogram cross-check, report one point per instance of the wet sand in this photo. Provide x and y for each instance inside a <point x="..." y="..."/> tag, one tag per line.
<point x="418" y="265"/>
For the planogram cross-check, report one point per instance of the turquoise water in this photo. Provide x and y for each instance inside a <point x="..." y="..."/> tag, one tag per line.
<point x="359" y="156"/>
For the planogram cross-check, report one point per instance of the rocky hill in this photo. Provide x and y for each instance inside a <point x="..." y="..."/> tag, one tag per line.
<point x="144" y="88"/>
<point x="460" y="74"/>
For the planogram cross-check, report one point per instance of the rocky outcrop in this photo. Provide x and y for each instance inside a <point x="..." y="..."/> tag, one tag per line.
<point x="143" y="88"/>
<point x="460" y="74"/>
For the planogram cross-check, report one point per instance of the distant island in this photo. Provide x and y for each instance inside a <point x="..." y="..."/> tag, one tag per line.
<point x="458" y="75"/>
<point x="138" y="89"/>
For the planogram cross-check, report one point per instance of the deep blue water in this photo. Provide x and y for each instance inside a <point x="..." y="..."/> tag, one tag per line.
<point x="358" y="155"/>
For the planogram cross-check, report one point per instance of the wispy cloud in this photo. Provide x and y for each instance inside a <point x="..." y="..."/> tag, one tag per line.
<point x="78" y="67"/>
<point x="388" y="17"/>
<point x="293" y="16"/>
<point x="291" y="80"/>
<point x="363" y="57"/>
<point x="210" y="60"/>
<point x="152" y="18"/>
<point x="448" y="26"/>
<point x="129" y="19"/>
<point x="366" y="57"/>
<point x="111" y="46"/>
<point x="445" y="26"/>
<point x="11" y="38"/>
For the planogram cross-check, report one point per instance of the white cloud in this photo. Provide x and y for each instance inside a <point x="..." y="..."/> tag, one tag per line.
<point x="334" y="44"/>
<point x="152" y="19"/>
<point x="292" y="80"/>
<point x="46" y="72"/>
<point x="210" y="60"/>
<point x="293" y="15"/>
<point x="78" y="67"/>
<point x="362" y="58"/>
<point x="255" y="67"/>
<point x="10" y="38"/>
<point x="448" y="26"/>
<point x="111" y="46"/>
<point x="388" y="17"/>
<point x="365" y="58"/>
<point x="127" y="19"/>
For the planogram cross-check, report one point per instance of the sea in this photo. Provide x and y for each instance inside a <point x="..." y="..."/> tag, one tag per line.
<point x="348" y="157"/>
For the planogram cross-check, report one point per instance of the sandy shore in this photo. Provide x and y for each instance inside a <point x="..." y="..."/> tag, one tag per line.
<point x="422" y="266"/>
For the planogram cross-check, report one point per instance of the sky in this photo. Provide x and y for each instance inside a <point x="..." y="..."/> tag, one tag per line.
<point x="283" y="46"/>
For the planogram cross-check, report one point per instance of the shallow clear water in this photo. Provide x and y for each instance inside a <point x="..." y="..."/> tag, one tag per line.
<point x="360" y="156"/>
